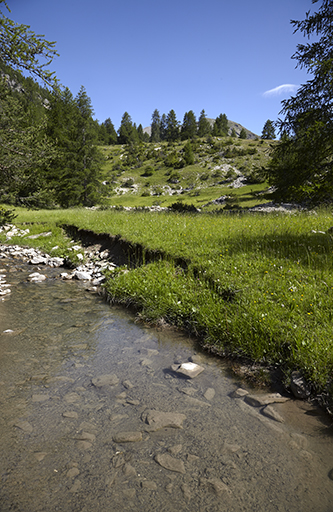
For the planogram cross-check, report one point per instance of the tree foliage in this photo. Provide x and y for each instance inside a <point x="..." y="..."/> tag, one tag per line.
<point x="189" y="126"/>
<point x="155" y="127"/>
<point x="203" y="125"/>
<point x="22" y="49"/>
<point x="220" y="127"/>
<point x="268" y="131"/>
<point x="301" y="166"/>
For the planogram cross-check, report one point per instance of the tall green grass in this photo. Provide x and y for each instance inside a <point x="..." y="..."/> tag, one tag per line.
<point x="256" y="286"/>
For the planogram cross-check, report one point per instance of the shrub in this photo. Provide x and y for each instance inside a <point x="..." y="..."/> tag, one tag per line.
<point x="6" y="216"/>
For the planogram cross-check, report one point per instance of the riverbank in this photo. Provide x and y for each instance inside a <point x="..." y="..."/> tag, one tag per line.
<point x="255" y="288"/>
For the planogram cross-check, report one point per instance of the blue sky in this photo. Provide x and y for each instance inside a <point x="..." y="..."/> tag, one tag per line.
<point x="229" y="57"/>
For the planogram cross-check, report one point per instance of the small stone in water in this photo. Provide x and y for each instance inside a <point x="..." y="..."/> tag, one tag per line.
<point x="168" y="462"/>
<point x="190" y="370"/>
<point x="127" y="437"/>
<point x="70" y="414"/>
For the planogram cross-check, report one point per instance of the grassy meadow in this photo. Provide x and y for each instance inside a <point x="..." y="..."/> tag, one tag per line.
<point x="254" y="286"/>
<point x="157" y="174"/>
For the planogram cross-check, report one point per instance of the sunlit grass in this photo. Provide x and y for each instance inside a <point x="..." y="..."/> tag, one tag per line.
<point x="252" y="285"/>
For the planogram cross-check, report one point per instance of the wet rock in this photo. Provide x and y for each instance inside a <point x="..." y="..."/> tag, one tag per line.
<point x="166" y="461"/>
<point x="70" y="414"/>
<point x="233" y="448"/>
<point x="157" y="420"/>
<point x="40" y="398"/>
<point x="188" y="391"/>
<point x="86" y="436"/>
<point x="132" y="401"/>
<point x="174" y="450"/>
<point x="330" y="474"/>
<point x="260" y="400"/>
<point x="186" y="491"/>
<point x="272" y="414"/>
<point x="129" y="493"/>
<point x="25" y="426"/>
<point x="196" y="358"/>
<point x="239" y="393"/>
<point x="127" y="437"/>
<point x="209" y="394"/>
<point x="129" y="471"/>
<point x="118" y="460"/>
<point x="149" y="485"/>
<point x="192" y="458"/>
<point x="105" y="380"/>
<point x="36" y="278"/>
<point x="38" y="260"/>
<point x="299" y="386"/>
<point x="71" y="398"/>
<point x="73" y="472"/>
<point x="190" y="370"/>
<point x="84" y="445"/>
<point x="82" y="276"/>
<point x="39" y="456"/>
<point x="214" y="484"/>
<point x="76" y="487"/>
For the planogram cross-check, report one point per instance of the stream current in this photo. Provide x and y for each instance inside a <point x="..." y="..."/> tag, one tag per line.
<point x="69" y="443"/>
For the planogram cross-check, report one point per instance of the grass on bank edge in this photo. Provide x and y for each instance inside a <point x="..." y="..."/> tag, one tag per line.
<point x="255" y="286"/>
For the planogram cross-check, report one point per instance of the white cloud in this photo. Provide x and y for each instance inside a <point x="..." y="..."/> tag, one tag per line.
<point x="281" y="89"/>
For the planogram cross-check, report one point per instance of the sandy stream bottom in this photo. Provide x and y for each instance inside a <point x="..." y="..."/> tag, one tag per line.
<point x="58" y="429"/>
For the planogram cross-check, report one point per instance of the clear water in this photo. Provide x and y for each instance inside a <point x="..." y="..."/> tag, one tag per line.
<point x="57" y="448"/>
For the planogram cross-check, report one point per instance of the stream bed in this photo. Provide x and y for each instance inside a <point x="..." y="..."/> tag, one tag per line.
<point x="92" y="418"/>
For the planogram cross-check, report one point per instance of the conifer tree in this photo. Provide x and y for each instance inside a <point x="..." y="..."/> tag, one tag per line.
<point x="302" y="164"/>
<point x="172" y="128"/>
<point x="203" y="125"/>
<point x="155" y="127"/>
<point x="127" y="133"/>
<point x="163" y="127"/>
<point x="221" y="127"/>
<point x="189" y="126"/>
<point x="268" y="131"/>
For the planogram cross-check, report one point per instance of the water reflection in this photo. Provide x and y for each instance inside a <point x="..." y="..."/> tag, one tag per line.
<point x="69" y="443"/>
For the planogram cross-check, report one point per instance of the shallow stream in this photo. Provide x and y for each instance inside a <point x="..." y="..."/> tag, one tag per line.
<point x="74" y="440"/>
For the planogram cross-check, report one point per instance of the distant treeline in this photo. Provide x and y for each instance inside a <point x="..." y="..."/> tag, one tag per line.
<point x="164" y="127"/>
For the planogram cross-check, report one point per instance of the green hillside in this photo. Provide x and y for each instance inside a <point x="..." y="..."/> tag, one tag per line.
<point x="225" y="170"/>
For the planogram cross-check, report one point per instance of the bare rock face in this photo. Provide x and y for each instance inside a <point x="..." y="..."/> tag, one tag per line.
<point x="157" y="420"/>
<point x="166" y="461"/>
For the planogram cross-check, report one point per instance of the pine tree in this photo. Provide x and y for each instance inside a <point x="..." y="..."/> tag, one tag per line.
<point x="188" y="153"/>
<point x="127" y="133"/>
<point x="172" y="128"/>
<point x="268" y="131"/>
<point x="203" y="125"/>
<point x="189" y="126"/>
<point x="221" y="127"/>
<point x="163" y="127"/>
<point x="155" y="127"/>
<point x="243" y="134"/>
<point x="111" y="134"/>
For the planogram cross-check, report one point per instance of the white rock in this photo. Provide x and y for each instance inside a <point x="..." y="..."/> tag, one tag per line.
<point x="83" y="276"/>
<point x="190" y="370"/>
